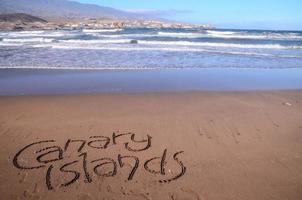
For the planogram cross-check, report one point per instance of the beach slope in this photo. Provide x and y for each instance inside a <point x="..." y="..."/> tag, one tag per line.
<point x="203" y="145"/>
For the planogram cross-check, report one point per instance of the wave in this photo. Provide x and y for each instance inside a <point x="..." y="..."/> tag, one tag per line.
<point x="233" y="35"/>
<point x="221" y="32"/>
<point x="9" y="44"/>
<point x="101" y="30"/>
<point x="138" y="35"/>
<point x="180" y="43"/>
<point x="106" y="36"/>
<point x="38" y="35"/>
<point x="103" y="33"/>
<point x="244" y="35"/>
<point x="143" y="68"/>
<point x="28" y="32"/>
<point x="162" y="44"/>
<point x="180" y="35"/>
<point x="164" y="49"/>
<point x="227" y="45"/>
<point x="27" y="40"/>
<point x="120" y="41"/>
<point x="85" y="68"/>
<point x="24" y="33"/>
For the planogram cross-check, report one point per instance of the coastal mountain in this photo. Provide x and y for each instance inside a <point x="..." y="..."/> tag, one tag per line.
<point x="20" y="17"/>
<point x="63" y="9"/>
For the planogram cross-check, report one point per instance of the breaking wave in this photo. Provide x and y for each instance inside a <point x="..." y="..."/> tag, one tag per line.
<point x="159" y="48"/>
<point x="101" y="30"/>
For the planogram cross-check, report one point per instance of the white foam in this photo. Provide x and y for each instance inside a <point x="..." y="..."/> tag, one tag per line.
<point x="221" y="32"/>
<point x="101" y="30"/>
<point x="212" y="44"/>
<point x="123" y="35"/>
<point x="233" y="35"/>
<point x="263" y="36"/>
<point x="55" y="34"/>
<point x="85" y="68"/>
<point x="106" y="36"/>
<point x="27" y="40"/>
<point x="10" y="44"/>
<point x="120" y="41"/>
<point x="180" y="35"/>
<point x="24" y="33"/>
<point x="244" y="35"/>
<point x="8" y="41"/>
<point x="27" y="32"/>
<point x="37" y="34"/>
<point x="164" y="49"/>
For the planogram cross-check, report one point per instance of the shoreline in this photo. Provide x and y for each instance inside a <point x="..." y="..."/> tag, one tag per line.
<point x="187" y="145"/>
<point x="61" y="81"/>
<point x="153" y="93"/>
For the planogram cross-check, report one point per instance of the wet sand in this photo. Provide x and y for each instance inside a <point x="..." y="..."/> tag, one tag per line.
<point x="188" y="145"/>
<point x="71" y="81"/>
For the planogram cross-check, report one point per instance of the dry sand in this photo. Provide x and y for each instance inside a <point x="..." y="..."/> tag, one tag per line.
<point x="206" y="146"/>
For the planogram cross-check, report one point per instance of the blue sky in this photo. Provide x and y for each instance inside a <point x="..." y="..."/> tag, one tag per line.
<point x="252" y="14"/>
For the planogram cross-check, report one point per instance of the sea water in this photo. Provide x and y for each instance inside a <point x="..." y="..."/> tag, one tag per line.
<point x="148" y="60"/>
<point x="151" y="49"/>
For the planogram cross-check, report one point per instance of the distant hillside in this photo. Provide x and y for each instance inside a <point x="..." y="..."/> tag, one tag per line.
<point x="62" y="9"/>
<point x="20" y="17"/>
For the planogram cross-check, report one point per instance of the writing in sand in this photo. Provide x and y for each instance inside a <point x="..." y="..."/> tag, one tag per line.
<point x="83" y="159"/>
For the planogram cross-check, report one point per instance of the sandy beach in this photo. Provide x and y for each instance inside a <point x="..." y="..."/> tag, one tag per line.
<point x="150" y="100"/>
<point x="186" y="145"/>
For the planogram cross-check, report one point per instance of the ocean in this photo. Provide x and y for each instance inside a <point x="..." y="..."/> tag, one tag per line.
<point x="148" y="60"/>
<point x="147" y="48"/>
